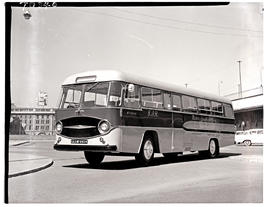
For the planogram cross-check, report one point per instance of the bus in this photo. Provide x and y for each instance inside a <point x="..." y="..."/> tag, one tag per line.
<point x="110" y="112"/>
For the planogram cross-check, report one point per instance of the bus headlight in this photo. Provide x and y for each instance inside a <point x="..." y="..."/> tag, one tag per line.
<point x="58" y="127"/>
<point x="104" y="126"/>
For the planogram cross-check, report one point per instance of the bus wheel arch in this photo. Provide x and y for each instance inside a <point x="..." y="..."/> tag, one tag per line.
<point x="148" y="147"/>
<point x="213" y="149"/>
<point x="154" y="136"/>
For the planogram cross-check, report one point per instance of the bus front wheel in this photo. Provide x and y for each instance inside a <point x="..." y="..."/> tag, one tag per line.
<point x="94" y="158"/>
<point x="146" y="153"/>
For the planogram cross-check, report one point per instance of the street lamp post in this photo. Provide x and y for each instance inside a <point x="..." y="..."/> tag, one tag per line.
<point x="219" y="83"/>
<point x="240" y="78"/>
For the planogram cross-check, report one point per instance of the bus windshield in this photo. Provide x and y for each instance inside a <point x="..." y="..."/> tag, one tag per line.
<point x="100" y="94"/>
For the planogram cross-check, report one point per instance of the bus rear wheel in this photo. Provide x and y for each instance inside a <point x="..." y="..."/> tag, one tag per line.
<point x="146" y="154"/>
<point x="213" y="150"/>
<point x="94" y="158"/>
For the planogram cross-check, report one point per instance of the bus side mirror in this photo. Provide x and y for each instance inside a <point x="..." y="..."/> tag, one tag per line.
<point x="131" y="88"/>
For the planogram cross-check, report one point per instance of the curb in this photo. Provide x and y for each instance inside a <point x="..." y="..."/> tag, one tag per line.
<point x="32" y="170"/>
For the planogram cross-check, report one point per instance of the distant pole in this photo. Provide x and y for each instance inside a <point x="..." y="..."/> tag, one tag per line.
<point x="240" y="78"/>
<point x="219" y="82"/>
<point x="186" y="85"/>
<point x="261" y="77"/>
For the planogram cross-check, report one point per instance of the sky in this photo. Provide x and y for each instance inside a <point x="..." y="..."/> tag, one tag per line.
<point x="197" y="46"/>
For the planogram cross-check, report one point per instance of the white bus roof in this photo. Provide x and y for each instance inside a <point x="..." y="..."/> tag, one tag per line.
<point x="112" y="75"/>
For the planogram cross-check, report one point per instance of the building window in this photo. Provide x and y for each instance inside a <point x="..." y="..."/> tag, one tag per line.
<point x="37" y="121"/>
<point x="37" y="128"/>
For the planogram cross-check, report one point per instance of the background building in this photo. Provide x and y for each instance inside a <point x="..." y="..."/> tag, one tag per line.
<point x="248" y="109"/>
<point x="32" y="121"/>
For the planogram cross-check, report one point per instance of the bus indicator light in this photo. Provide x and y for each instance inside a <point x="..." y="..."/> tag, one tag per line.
<point x="102" y="140"/>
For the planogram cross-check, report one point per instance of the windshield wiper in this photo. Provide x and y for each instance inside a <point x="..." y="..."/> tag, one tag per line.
<point x="92" y="87"/>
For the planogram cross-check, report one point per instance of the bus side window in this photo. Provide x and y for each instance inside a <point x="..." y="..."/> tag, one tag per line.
<point x="228" y="111"/>
<point x="176" y="102"/>
<point x="151" y="98"/>
<point x="204" y="106"/>
<point x="132" y="98"/>
<point x="167" y="100"/>
<point x="147" y="97"/>
<point x="115" y="94"/>
<point x="157" y="99"/>
<point x="217" y="108"/>
<point x="189" y="104"/>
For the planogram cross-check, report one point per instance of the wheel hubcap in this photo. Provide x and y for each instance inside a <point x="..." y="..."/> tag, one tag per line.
<point x="212" y="147"/>
<point x="247" y="143"/>
<point x="148" y="149"/>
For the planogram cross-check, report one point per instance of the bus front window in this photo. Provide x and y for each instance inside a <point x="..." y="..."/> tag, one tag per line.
<point x="116" y="92"/>
<point x="95" y="94"/>
<point x="71" y="96"/>
<point x="98" y="94"/>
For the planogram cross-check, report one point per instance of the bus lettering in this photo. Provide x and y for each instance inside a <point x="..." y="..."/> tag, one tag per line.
<point x="152" y="113"/>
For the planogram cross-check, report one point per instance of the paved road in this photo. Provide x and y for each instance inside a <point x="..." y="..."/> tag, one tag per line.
<point x="237" y="176"/>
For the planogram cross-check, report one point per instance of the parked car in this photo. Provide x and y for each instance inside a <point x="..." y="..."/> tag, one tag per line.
<point x="249" y="137"/>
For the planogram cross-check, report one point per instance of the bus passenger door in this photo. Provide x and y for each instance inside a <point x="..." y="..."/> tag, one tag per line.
<point x="178" y="133"/>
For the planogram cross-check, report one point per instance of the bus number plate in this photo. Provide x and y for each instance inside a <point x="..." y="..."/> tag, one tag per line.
<point x="79" y="141"/>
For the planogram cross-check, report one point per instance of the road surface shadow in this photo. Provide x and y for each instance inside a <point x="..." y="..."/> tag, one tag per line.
<point x="130" y="164"/>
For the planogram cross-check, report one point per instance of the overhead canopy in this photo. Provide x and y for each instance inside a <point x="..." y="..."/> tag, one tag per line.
<point x="249" y="103"/>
